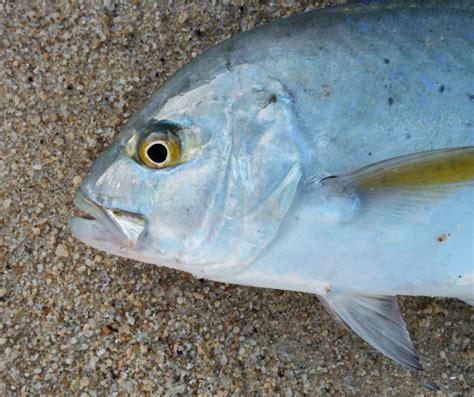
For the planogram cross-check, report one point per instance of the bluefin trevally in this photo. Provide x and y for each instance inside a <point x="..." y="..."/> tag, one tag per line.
<point x="330" y="153"/>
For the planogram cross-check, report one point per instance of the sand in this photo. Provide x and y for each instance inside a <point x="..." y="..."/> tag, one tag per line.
<point x="75" y="321"/>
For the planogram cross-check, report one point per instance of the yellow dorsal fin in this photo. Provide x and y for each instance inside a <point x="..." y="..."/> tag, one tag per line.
<point x="391" y="188"/>
<point x="419" y="171"/>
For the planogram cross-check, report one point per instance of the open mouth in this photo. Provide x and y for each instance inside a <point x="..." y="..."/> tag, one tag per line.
<point x="83" y="214"/>
<point x="120" y="227"/>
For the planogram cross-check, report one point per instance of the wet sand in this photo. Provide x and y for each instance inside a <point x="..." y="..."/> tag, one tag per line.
<point x="75" y="321"/>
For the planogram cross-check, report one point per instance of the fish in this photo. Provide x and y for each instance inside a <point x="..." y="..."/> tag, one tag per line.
<point x="330" y="153"/>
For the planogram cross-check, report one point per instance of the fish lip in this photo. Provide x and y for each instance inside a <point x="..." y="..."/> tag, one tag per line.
<point x="121" y="227"/>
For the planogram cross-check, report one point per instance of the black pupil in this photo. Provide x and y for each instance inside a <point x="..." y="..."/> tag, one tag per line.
<point x="157" y="153"/>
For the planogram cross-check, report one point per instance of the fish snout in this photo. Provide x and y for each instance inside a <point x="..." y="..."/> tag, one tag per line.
<point x="122" y="228"/>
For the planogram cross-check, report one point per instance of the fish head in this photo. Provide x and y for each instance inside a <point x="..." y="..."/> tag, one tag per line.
<point x="222" y="198"/>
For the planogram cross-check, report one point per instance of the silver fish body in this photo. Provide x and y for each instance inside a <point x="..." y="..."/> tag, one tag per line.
<point x="281" y="130"/>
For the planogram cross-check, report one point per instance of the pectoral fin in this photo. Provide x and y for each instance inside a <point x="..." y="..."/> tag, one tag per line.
<point x="377" y="320"/>
<point x="393" y="187"/>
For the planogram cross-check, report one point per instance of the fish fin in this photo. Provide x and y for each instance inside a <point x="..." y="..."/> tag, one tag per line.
<point x="430" y="385"/>
<point x="468" y="301"/>
<point x="394" y="187"/>
<point x="378" y="321"/>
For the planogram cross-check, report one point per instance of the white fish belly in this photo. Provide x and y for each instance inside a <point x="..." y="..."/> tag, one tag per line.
<point x="425" y="250"/>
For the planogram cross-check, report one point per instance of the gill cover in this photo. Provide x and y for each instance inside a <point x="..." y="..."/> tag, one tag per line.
<point x="260" y="179"/>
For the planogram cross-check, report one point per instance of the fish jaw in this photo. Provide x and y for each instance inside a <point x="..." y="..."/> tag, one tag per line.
<point x="107" y="229"/>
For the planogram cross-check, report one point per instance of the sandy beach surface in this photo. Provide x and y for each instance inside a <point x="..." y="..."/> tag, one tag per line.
<point x="76" y="321"/>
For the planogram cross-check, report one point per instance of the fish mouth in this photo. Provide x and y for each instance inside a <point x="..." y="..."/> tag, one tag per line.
<point x="93" y="223"/>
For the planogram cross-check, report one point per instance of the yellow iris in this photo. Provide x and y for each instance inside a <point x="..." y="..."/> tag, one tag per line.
<point x="159" y="150"/>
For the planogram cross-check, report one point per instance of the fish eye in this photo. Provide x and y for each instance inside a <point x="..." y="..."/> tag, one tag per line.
<point x="159" y="150"/>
